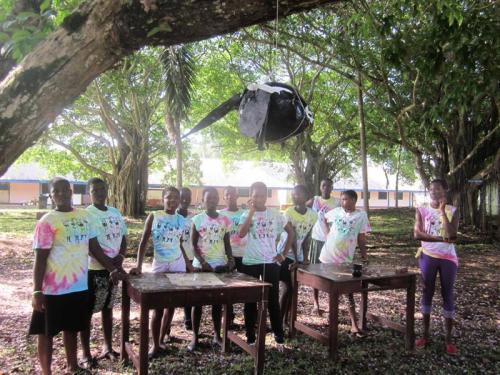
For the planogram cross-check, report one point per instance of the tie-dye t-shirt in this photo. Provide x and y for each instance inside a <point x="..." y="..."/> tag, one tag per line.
<point x="343" y="236"/>
<point x="111" y="228"/>
<point x="211" y="239"/>
<point x="321" y="207"/>
<point x="166" y="232"/>
<point x="433" y="225"/>
<point x="238" y="244"/>
<point x="67" y="235"/>
<point x="186" y="235"/>
<point x="302" y="225"/>
<point x="262" y="236"/>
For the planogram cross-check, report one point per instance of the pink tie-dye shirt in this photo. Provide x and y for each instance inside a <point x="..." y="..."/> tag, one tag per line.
<point x="433" y="225"/>
<point x="66" y="235"/>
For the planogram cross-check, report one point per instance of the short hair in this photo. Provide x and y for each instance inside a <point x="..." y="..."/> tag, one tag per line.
<point x="327" y="179"/>
<point x="55" y="180"/>
<point x="209" y="189"/>
<point x="302" y="188"/>
<point x="258" y="185"/>
<point x="350" y="193"/>
<point x="185" y="190"/>
<point x="169" y="188"/>
<point x="440" y="181"/>
<point x="95" y="181"/>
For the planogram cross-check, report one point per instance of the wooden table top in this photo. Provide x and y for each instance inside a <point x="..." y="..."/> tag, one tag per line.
<point x="160" y="282"/>
<point x="343" y="273"/>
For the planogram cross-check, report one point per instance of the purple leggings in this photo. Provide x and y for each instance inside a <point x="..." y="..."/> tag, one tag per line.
<point x="429" y="268"/>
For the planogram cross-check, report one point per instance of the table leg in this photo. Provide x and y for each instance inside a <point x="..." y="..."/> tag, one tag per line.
<point x="293" y="308"/>
<point x="125" y="322"/>
<point x="225" y="323"/>
<point x="261" y="338"/>
<point x="144" y="340"/>
<point x="363" y="308"/>
<point x="410" y="315"/>
<point x="334" y="323"/>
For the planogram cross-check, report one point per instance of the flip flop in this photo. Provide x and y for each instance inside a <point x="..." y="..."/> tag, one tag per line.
<point x="421" y="342"/>
<point x="110" y="354"/>
<point x="451" y="349"/>
<point x="79" y="371"/>
<point x="358" y="334"/>
<point x="87" y="363"/>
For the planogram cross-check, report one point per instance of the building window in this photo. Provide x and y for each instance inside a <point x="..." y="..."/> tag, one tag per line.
<point x="45" y="188"/>
<point x="382" y="195"/>
<point x="269" y="193"/>
<point x="361" y="195"/>
<point x="4" y="186"/>
<point x="79" y="189"/>
<point x="244" y="192"/>
<point x="400" y="196"/>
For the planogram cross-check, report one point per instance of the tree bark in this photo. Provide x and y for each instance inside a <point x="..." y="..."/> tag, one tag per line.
<point x="97" y="35"/>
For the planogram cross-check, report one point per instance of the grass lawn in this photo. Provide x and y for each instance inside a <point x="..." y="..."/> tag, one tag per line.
<point x="380" y="352"/>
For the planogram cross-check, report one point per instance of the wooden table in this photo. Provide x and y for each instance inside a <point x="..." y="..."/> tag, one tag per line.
<point x="155" y="291"/>
<point x="336" y="280"/>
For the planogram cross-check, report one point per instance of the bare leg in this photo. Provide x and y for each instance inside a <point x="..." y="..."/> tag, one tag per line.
<point x="166" y="323"/>
<point x="195" y="318"/>
<point x="85" y="339"/>
<point x="107" y="330"/>
<point x="45" y="353"/>
<point x="70" y="347"/>
<point x="427" y="325"/>
<point x="155" y="331"/>
<point x="352" y="315"/>
<point x="285" y="301"/>
<point x="216" y="317"/>
<point x="448" y="322"/>
<point x="317" y="310"/>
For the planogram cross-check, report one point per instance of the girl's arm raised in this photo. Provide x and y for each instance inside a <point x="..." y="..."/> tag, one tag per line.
<point x="142" y="245"/>
<point x="419" y="233"/>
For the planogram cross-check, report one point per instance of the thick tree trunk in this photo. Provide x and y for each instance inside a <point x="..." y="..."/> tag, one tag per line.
<point x="129" y="182"/>
<point x="97" y="35"/>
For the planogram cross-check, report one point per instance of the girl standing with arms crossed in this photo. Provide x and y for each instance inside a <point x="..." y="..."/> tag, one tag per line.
<point x="436" y="226"/>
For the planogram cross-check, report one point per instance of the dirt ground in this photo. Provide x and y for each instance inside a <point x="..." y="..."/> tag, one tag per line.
<point x="381" y="351"/>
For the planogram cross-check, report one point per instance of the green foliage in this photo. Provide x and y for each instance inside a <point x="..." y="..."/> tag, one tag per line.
<point x="21" y="30"/>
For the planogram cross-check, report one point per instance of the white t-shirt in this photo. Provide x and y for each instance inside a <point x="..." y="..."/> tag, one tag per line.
<point x="261" y="239"/>
<point x="111" y="229"/>
<point x="321" y="207"/>
<point x="343" y="236"/>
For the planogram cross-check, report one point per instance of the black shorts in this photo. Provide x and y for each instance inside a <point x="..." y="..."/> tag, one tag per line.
<point x="285" y="274"/>
<point x="102" y="292"/>
<point x="66" y="312"/>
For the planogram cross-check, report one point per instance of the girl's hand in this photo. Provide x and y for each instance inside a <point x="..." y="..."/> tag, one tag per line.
<point x="442" y="205"/>
<point x="190" y="268"/>
<point x="231" y="265"/>
<point x="117" y="275"/>
<point x="38" y="302"/>
<point x="205" y="267"/>
<point x="251" y="205"/>
<point x="293" y="265"/>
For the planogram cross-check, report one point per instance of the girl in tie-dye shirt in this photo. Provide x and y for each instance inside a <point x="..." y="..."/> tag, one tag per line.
<point x="348" y="226"/>
<point x="436" y="226"/>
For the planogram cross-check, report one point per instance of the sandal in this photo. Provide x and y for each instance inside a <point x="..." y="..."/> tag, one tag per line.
<point x="421" y="342"/>
<point x="451" y="349"/>
<point x="358" y="334"/>
<point x="87" y="363"/>
<point x="79" y="371"/>
<point x="110" y="354"/>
